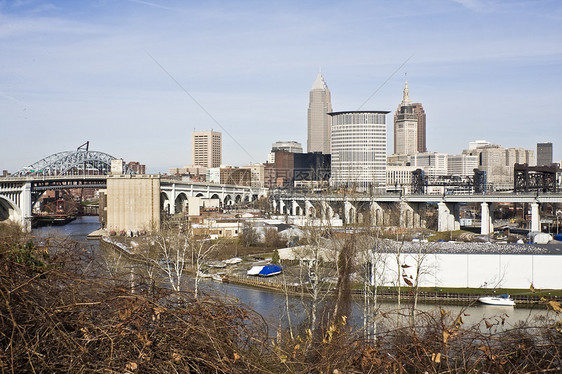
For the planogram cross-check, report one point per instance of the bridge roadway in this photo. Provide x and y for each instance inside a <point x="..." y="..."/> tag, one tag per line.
<point x="18" y="195"/>
<point x="506" y="197"/>
<point x="353" y="208"/>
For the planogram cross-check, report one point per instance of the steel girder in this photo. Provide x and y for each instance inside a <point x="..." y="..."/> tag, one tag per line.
<point x="70" y="163"/>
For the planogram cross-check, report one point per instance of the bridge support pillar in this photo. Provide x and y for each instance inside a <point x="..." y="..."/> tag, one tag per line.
<point x="26" y="206"/>
<point x="448" y="217"/>
<point x="535" y="217"/>
<point x="327" y="211"/>
<point x="377" y="214"/>
<point x="296" y="209"/>
<point x="282" y="207"/>
<point x="309" y="209"/>
<point x="409" y="215"/>
<point x="350" y="213"/>
<point x="486" y="219"/>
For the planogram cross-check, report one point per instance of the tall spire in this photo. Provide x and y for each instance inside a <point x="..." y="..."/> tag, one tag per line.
<point x="319" y="83"/>
<point x="406" y="97"/>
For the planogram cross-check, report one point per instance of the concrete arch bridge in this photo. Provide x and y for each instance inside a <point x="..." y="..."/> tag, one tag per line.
<point x="174" y="195"/>
<point x="403" y="210"/>
<point x="135" y="202"/>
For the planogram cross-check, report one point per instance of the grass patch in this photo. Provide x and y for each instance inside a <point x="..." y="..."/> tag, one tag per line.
<point x="481" y="291"/>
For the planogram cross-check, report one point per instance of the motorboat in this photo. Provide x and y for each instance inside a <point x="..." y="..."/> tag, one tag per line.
<point x="500" y="300"/>
<point x="255" y="270"/>
<point x="202" y="274"/>
<point x="270" y="270"/>
<point x="265" y="270"/>
<point x="220" y="278"/>
<point x="233" y="261"/>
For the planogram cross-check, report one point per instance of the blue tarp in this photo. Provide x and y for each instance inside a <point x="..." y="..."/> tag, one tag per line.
<point x="269" y="270"/>
<point x="558" y="237"/>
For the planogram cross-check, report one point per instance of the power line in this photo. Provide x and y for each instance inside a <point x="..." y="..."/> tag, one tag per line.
<point x="383" y="83"/>
<point x="201" y="106"/>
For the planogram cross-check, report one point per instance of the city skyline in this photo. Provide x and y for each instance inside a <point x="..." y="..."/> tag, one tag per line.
<point x="135" y="77"/>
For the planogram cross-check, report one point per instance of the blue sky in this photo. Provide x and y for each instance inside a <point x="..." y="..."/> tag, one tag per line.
<point x="72" y="71"/>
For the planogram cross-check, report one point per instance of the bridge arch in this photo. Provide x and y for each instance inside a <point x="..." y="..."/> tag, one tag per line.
<point x="79" y="162"/>
<point x="9" y="210"/>
<point x="227" y="201"/>
<point x="180" y="203"/>
<point x="164" y="202"/>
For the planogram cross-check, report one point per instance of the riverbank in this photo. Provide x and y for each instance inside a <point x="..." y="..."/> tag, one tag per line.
<point x="455" y="296"/>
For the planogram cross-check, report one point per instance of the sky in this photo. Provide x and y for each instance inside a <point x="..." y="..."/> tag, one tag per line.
<point x="136" y="77"/>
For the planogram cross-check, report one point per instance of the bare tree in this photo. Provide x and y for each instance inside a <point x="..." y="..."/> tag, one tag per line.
<point x="200" y="251"/>
<point x="422" y="268"/>
<point x="173" y="247"/>
<point x="317" y="270"/>
<point x="373" y="265"/>
<point x="272" y="238"/>
<point x="249" y="235"/>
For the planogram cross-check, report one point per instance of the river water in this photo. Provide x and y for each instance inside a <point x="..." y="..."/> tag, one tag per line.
<point x="272" y="305"/>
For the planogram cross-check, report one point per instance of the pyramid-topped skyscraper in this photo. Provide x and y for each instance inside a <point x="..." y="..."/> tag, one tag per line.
<point x="319" y="122"/>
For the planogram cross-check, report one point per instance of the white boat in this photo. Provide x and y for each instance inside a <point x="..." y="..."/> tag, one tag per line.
<point x="201" y="274"/>
<point x="233" y="261"/>
<point x="217" y="264"/>
<point x="255" y="270"/>
<point x="220" y="278"/>
<point x="501" y="300"/>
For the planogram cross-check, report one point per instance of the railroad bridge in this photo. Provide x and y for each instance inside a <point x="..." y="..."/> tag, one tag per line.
<point x="404" y="210"/>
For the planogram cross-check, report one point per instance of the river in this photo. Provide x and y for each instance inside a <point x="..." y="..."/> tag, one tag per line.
<point x="272" y="305"/>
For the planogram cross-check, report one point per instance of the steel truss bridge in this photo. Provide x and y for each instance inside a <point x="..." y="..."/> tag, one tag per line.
<point x="90" y="169"/>
<point x="81" y="168"/>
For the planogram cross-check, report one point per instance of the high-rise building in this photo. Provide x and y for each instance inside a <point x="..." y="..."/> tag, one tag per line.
<point x="498" y="162"/>
<point x="544" y="154"/>
<point x="462" y="165"/>
<point x="409" y="126"/>
<point x="359" y="149"/>
<point x="206" y="148"/>
<point x="319" y="122"/>
<point x="433" y="163"/>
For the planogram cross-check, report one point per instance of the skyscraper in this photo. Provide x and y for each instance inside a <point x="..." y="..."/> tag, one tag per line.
<point x="409" y="126"/>
<point x="544" y="154"/>
<point x="206" y="148"/>
<point x="319" y="122"/>
<point x="359" y="149"/>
